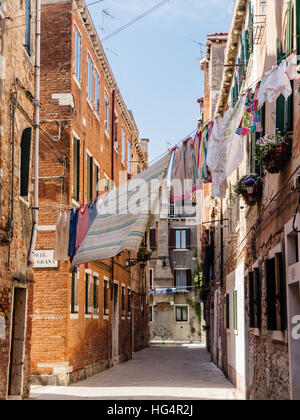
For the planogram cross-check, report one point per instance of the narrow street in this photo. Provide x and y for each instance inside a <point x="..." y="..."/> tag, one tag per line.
<point x="155" y="373"/>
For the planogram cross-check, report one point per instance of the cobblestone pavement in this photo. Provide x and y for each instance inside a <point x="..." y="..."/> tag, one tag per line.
<point x="177" y="373"/>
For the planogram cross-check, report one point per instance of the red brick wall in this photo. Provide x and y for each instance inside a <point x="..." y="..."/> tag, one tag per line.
<point x="83" y="342"/>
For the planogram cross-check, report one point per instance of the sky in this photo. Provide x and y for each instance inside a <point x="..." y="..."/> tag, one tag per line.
<point x="156" y="61"/>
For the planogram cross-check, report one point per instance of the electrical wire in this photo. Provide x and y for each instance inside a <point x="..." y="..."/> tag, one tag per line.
<point x="157" y="6"/>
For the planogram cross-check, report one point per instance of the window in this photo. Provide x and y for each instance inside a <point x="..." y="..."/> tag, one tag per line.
<point x="151" y="278"/>
<point x="89" y="177"/>
<point x="97" y="92"/>
<point x="107" y="113"/>
<point x="123" y="147"/>
<point x="182" y="313"/>
<point x="180" y="239"/>
<point x="77" y="52"/>
<point x="183" y="279"/>
<point x="96" y="295"/>
<point x="150" y="313"/>
<point x="276" y="296"/>
<point x="74" y="293"/>
<point x="255" y="297"/>
<point x="96" y="180"/>
<point x="128" y="157"/>
<point x="228" y="311"/>
<point x="152" y="238"/>
<point x="88" y="309"/>
<point x="116" y="132"/>
<point x="25" y="162"/>
<point x="76" y="169"/>
<point x="123" y="300"/>
<point x="27" y="43"/>
<point x="105" y="297"/>
<point x="235" y="317"/>
<point x="90" y="79"/>
<point x="129" y="302"/>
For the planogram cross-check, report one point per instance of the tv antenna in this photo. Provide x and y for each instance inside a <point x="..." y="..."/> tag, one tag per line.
<point x="105" y="13"/>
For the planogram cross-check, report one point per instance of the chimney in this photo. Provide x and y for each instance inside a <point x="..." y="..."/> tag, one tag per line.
<point x="144" y="146"/>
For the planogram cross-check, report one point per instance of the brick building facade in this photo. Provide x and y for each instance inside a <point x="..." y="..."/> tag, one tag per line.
<point x="17" y="90"/>
<point x="82" y="322"/>
<point x="260" y="246"/>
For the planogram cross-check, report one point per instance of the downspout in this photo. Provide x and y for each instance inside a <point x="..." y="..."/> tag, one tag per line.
<point x="37" y="105"/>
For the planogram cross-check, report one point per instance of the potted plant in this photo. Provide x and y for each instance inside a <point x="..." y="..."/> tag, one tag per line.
<point x="272" y="152"/>
<point x="144" y="255"/>
<point x="249" y="187"/>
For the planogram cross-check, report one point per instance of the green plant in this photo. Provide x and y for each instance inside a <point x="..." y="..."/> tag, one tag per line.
<point x="267" y="148"/>
<point x="250" y="180"/>
<point x="144" y="254"/>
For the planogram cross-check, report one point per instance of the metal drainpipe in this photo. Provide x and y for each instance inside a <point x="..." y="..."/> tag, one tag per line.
<point x="37" y="106"/>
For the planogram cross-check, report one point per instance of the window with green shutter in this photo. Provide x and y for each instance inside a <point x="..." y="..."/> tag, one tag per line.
<point x="235" y="310"/>
<point x="251" y="300"/>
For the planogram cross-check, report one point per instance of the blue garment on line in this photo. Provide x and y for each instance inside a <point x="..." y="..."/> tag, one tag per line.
<point x="73" y="233"/>
<point x="92" y="213"/>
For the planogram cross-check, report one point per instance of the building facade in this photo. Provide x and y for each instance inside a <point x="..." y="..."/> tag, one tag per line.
<point x="82" y="322"/>
<point x="259" y="242"/>
<point x="17" y="92"/>
<point x="176" y="312"/>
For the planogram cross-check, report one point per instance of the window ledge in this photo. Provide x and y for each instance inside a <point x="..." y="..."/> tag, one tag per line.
<point x="88" y="316"/>
<point x="75" y="203"/>
<point x="90" y="104"/>
<point x="255" y="331"/>
<point x="74" y="316"/>
<point x="106" y="317"/>
<point x="106" y="133"/>
<point x="97" y="115"/>
<point x="279" y="336"/>
<point x="28" y="57"/>
<point x="24" y="201"/>
<point x="78" y="83"/>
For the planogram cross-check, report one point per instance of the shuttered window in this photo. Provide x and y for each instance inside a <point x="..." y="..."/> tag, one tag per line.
<point x="152" y="238"/>
<point x="105" y="298"/>
<point x="25" y="162"/>
<point x="88" y="308"/>
<point x="255" y="299"/>
<point x="276" y="296"/>
<point x="96" y="295"/>
<point x="251" y="300"/>
<point x="76" y="169"/>
<point x="77" y="53"/>
<point x="180" y="239"/>
<point x="90" y="89"/>
<point x="182" y="313"/>
<point x="228" y="311"/>
<point x="123" y="300"/>
<point x="183" y="279"/>
<point x="129" y="302"/>
<point x="74" y="293"/>
<point x="89" y="177"/>
<point x="235" y="310"/>
<point x="27" y="43"/>
<point x="97" y="92"/>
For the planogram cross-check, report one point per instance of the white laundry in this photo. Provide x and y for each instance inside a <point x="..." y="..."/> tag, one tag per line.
<point x="291" y="69"/>
<point x="225" y="148"/>
<point x="275" y="83"/>
<point x="62" y="236"/>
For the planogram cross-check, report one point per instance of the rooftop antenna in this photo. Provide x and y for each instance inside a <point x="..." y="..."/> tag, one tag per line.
<point x="105" y="13"/>
<point x="200" y="46"/>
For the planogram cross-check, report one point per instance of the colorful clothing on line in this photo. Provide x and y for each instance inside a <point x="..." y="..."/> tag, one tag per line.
<point x="73" y="233"/>
<point x="82" y="226"/>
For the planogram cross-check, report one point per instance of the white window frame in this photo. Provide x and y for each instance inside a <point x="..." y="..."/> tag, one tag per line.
<point x="182" y="269"/>
<point x="106" y="284"/>
<point x="107" y="113"/>
<point x="90" y="80"/>
<point x="90" y="274"/>
<point x="175" y="314"/>
<point x="77" y="64"/>
<point x="97" y="91"/>
<point x="123" y="153"/>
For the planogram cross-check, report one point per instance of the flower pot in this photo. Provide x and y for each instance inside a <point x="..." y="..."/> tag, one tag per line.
<point x="277" y="158"/>
<point x="250" y="189"/>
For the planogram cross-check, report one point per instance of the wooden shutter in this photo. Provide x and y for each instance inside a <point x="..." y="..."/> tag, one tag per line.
<point x="271" y="294"/>
<point x="251" y="300"/>
<point x="25" y="162"/>
<point x="235" y="318"/>
<point x="188" y="238"/>
<point x="189" y="278"/>
<point x="152" y="238"/>
<point x="172" y="239"/>
<point x="257" y="298"/>
<point x="228" y="311"/>
<point x="282" y="291"/>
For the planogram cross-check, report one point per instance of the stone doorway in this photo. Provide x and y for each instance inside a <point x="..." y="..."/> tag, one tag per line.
<point x="17" y="349"/>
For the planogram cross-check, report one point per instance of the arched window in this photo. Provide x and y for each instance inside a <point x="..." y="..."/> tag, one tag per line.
<point x="25" y="162"/>
<point x="27" y="43"/>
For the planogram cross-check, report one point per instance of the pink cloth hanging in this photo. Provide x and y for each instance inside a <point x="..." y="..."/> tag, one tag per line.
<point x="82" y="226"/>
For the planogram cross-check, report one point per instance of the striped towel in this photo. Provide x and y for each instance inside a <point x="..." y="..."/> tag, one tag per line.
<point x="125" y="216"/>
